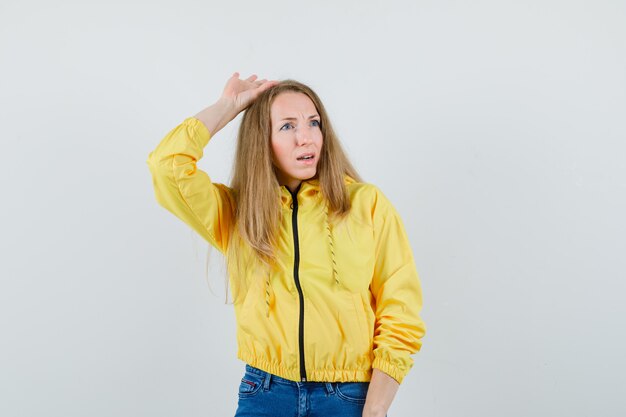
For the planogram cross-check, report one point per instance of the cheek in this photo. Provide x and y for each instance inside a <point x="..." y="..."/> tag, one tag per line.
<point x="278" y="152"/>
<point x="319" y="140"/>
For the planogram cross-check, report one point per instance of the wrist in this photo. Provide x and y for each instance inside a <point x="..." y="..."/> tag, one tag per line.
<point x="374" y="411"/>
<point x="217" y="115"/>
<point x="226" y="108"/>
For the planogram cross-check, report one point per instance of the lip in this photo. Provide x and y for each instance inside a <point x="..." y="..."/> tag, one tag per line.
<point x="307" y="161"/>
<point x="305" y="154"/>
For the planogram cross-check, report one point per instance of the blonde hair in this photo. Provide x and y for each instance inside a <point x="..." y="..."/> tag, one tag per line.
<point x="255" y="184"/>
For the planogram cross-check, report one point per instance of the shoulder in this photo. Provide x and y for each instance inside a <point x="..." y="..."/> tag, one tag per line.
<point x="368" y="196"/>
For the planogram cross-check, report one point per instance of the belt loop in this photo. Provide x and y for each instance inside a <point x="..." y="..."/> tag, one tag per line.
<point x="266" y="381"/>
<point x="329" y="388"/>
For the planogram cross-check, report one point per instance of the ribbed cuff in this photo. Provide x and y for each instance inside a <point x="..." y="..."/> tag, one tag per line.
<point x="390" y="369"/>
<point x="201" y="133"/>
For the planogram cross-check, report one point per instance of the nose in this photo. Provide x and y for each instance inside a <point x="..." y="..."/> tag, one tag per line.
<point x="303" y="136"/>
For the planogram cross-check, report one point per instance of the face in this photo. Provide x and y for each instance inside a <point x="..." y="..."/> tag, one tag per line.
<point x="296" y="138"/>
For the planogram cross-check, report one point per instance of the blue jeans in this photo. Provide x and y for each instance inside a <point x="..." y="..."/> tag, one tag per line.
<point x="262" y="394"/>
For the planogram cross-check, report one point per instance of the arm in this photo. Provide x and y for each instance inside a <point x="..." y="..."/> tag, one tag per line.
<point x="397" y="290"/>
<point x="380" y="394"/>
<point x="179" y="185"/>
<point x="185" y="190"/>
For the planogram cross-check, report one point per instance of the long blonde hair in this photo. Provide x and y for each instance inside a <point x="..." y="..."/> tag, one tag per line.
<point x="255" y="184"/>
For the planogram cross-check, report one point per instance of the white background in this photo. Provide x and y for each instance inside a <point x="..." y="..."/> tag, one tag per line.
<point x="496" y="128"/>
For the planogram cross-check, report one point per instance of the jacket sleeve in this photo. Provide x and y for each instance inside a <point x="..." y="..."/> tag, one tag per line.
<point x="397" y="290"/>
<point x="187" y="191"/>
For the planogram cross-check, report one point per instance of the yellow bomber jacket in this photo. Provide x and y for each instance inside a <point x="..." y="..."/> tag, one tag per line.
<point x="340" y="301"/>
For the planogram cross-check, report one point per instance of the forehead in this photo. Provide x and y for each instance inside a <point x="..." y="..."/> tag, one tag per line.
<point x="292" y="104"/>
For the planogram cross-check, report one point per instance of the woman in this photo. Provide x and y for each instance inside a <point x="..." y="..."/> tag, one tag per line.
<point x="326" y="295"/>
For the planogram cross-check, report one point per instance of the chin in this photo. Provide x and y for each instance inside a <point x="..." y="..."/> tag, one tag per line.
<point x="308" y="177"/>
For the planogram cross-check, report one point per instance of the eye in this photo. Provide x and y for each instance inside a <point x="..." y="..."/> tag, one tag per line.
<point x="286" y="126"/>
<point x="315" y="123"/>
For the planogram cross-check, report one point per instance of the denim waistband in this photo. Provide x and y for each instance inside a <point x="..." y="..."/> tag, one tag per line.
<point x="250" y="368"/>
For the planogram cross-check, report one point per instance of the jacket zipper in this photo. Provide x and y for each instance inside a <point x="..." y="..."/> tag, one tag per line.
<point x="296" y="276"/>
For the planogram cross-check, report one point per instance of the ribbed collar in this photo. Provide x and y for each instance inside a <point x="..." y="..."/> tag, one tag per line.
<point x="309" y="192"/>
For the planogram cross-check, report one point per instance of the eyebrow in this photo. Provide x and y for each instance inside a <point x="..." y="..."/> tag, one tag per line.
<point x="293" y="118"/>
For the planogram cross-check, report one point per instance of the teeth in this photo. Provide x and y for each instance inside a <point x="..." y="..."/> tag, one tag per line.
<point x="306" y="157"/>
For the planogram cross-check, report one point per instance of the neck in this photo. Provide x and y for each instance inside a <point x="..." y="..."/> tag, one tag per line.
<point x="293" y="186"/>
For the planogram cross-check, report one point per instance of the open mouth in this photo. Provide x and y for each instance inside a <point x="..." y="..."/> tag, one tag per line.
<point x="306" y="157"/>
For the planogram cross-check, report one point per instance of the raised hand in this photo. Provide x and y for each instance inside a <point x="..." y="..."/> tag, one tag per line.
<point x="243" y="92"/>
<point x="238" y="94"/>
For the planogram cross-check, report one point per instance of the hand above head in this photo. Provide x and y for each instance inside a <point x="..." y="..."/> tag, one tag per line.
<point x="243" y="92"/>
<point x="238" y="94"/>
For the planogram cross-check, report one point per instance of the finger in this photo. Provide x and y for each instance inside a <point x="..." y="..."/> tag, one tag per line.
<point x="267" y="85"/>
<point x="260" y="82"/>
<point x="235" y="75"/>
<point x="251" y="78"/>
